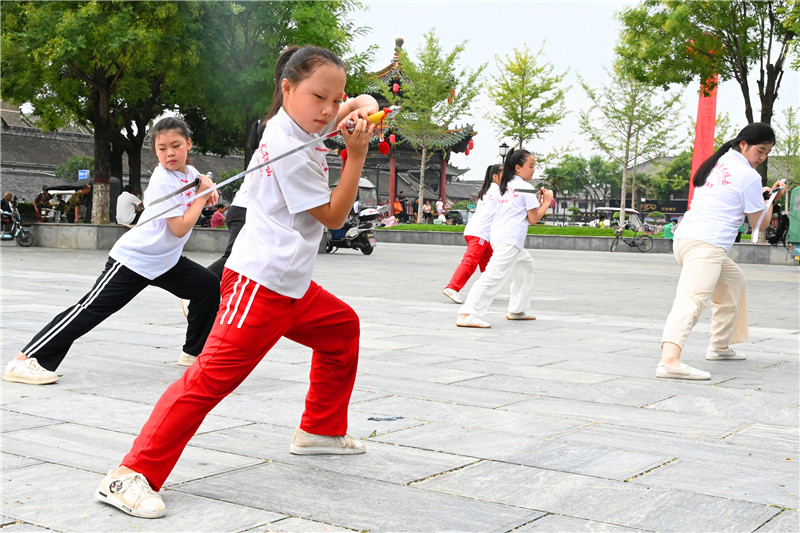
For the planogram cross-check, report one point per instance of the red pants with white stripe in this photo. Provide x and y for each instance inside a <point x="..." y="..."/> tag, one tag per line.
<point x="251" y="319"/>
<point x="478" y="253"/>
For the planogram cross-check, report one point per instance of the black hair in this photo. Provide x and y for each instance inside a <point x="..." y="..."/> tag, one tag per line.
<point x="256" y="132"/>
<point x="755" y="133"/>
<point x="166" y="124"/>
<point x="513" y="158"/>
<point x="491" y="170"/>
<point x="296" y="64"/>
<point x="128" y="188"/>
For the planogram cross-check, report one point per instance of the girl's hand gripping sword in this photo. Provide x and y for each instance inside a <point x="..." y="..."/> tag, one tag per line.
<point x="757" y="230"/>
<point x="374" y="118"/>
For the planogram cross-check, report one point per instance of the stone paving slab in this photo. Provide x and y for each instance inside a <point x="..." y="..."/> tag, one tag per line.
<point x="530" y="451"/>
<point x="592" y="498"/>
<point x="553" y="425"/>
<point x="711" y="450"/>
<point x="354" y="502"/>
<point x="36" y="495"/>
<point x="727" y="481"/>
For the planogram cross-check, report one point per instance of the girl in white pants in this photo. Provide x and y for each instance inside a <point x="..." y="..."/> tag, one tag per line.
<point x="727" y="188"/>
<point x="519" y="205"/>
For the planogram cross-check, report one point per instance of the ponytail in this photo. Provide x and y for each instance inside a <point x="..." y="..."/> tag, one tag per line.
<point x="755" y="133"/>
<point x="295" y="64"/>
<point x="491" y="171"/>
<point x="256" y="132"/>
<point x="517" y="157"/>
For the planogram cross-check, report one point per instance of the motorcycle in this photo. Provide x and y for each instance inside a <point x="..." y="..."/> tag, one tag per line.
<point x="357" y="233"/>
<point x="12" y="227"/>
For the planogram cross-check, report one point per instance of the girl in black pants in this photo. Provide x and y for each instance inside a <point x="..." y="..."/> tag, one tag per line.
<point x="149" y="254"/>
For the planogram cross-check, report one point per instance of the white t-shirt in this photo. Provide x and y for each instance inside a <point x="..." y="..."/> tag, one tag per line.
<point x="126" y="207"/>
<point x="480" y="223"/>
<point x="278" y="244"/>
<point x="510" y="224"/>
<point x="732" y="190"/>
<point x="151" y="249"/>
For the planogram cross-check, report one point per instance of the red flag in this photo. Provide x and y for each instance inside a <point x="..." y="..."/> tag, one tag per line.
<point x="704" y="131"/>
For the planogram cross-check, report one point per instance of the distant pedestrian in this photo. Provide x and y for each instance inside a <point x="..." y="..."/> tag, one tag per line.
<point x="518" y="206"/>
<point x="42" y="201"/>
<point x="74" y="203"/>
<point x="129" y="207"/>
<point x="218" y="218"/>
<point x="727" y="188"/>
<point x="669" y="228"/>
<point x="148" y="254"/>
<point x="477" y="234"/>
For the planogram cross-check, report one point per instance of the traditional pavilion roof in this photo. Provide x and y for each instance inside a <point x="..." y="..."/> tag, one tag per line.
<point x="451" y="140"/>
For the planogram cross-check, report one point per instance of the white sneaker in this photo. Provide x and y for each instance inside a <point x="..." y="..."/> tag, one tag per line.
<point x="453" y="295"/>
<point x="305" y="443"/>
<point x="470" y="321"/>
<point x="723" y="354"/>
<point x="186" y="360"/>
<point x="520" y="316"/>
<point x="682" y="372"/>
<point x="132" y="494"/>
<point x="28" y="371"/>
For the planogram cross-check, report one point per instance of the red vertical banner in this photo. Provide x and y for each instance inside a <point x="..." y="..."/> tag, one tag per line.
<point x="392" y="182"/>
<point x="443" y="180"/>
<point x="704" y="131"/>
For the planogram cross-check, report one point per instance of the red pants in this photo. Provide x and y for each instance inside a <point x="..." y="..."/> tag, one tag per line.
<point x="251" y="319"/>
<point x="478" y="253"/>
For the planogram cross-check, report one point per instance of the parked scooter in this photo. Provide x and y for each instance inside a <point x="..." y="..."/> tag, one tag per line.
<point x="357" y="233"/>
<point x="12" y="227"/>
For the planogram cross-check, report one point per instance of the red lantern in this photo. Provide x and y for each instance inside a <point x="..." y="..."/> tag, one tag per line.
<point x="343" y="154"/>
<point x="395" y="87"/>
<point x="392" y="138"/>
<point x="470" y="144"/>
<point x="384" y="147"/>
<point x="467" y="152"/>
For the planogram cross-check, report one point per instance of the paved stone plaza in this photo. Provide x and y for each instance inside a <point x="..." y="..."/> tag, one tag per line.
<point x="552" y="425"/>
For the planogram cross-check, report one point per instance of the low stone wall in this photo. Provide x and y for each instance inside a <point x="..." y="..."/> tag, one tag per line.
<point x="103" y="237"/>
<point x="741" y="252"/>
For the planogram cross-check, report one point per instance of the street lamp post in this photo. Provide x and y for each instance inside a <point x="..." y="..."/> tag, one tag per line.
<point x="503" y="148"/>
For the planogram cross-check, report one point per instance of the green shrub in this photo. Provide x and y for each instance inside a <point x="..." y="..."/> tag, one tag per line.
<point x="460" y="205"/>
<point x="656" y="215"/>
<point x="69" y="171"/>
<point x="575" y="213"/>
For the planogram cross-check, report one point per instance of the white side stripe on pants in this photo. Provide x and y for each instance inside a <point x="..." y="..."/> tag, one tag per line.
<point x="76" y="310"/>
<point x="249" y="303"/>
<point x="228" y="305"/>
<point x="238" y="301"/>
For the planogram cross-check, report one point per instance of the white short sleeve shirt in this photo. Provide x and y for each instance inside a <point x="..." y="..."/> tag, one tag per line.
<point x="732" y="190"/>
<point x="480" y="223"/>
<point x="151" y="249"/>
<point x="278" y="244"/>
<point x="510" y="224"/>
<point x="126" y="207"/>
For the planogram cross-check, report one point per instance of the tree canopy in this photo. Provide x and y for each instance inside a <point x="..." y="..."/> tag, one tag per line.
<point x="666" y="41"/>
<point x="437" y="93"/>
<point x="529" y="96"/>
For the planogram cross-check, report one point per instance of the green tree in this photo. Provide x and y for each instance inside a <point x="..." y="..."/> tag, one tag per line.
<point x="664" y="42"/>
<point x="673" y="178"/>
<point x="437" y="92"/>
<point x="78" y="60"/>
<point x="529" y="96"/>
<point x="628" y="121"/>
<point x="234" y="79"/>
<point x="68" y="171"/>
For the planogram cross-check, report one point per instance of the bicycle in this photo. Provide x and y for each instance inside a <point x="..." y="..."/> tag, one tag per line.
<point x="642" y="242"/>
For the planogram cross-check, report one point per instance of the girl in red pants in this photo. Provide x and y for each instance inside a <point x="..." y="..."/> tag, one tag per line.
<point x="479" y="251"/>
<point x="267" y="292"/>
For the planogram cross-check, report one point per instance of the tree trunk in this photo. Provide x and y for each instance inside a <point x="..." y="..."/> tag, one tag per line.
<point x="116" y="161"/>
<point x="102" y="148"/>
<point x="421" y="184"/>
<point x="624" y="184"/>
<point x="135" y="168"/>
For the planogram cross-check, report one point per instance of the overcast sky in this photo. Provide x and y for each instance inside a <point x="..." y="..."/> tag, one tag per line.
<point x="579" y="36"/>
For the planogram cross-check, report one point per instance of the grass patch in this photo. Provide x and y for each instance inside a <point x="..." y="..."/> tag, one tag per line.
<point x="539" y="229"/>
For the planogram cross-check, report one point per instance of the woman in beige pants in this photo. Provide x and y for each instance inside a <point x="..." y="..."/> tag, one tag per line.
<point x="727" y="188"/>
